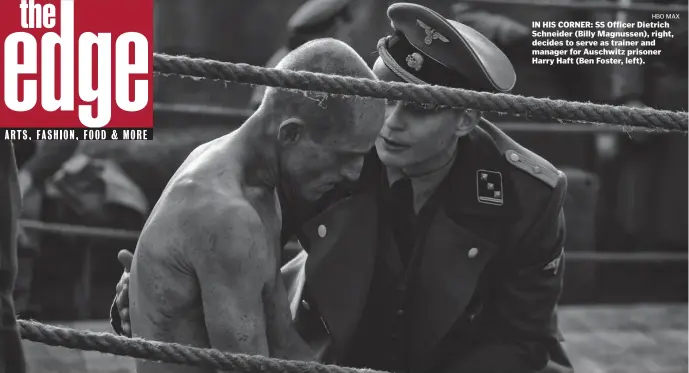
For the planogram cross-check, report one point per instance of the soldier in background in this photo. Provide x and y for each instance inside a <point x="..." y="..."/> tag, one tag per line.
<point x="62" y="183"/>
<point x="316" y="19"/>
<point x="11" y="351"/>
<point x="35" y="169"/>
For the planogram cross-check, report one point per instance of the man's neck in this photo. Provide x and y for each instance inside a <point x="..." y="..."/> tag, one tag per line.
<point x="258" y="139"/>
<point x="424" y="184"/>
<point x="427" y="167"/>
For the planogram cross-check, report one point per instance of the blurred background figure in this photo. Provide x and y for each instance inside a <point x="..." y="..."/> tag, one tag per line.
<point x="513" y="36"/>
<point x="61" y="183"/>
<point x="316" y="19"/>
<point x="36" y="164"/>
<point x="11" y="351"/>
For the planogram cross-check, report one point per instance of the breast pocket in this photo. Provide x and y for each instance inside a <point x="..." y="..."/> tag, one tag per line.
<point x="454" y="260"/>
<point x="456" y="255"/>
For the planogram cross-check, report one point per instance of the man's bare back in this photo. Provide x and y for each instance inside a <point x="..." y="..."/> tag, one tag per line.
<point x="207" y="264"/>
<point x="212" y="238"/>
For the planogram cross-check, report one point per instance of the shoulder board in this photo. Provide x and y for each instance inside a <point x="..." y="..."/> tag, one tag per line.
<point x="534" y="166"/>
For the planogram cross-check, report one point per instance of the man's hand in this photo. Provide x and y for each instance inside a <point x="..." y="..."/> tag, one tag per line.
<point x="122" y="296"/>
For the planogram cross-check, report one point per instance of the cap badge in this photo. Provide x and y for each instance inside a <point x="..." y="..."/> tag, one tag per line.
<point x="415" y="61"/>
<point x="431" y="34"/>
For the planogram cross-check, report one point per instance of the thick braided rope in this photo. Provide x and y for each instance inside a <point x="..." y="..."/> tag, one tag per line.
<point x="169" y="352"/>
<point x="500" y="103"/>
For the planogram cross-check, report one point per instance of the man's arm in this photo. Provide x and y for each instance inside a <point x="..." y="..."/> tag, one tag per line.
<point x="233" y="269"/>
<point x="246" y="308"/>
<point x="522" y="313"/>
<point x="119" y="317"/>
<point x="119" y="309"/>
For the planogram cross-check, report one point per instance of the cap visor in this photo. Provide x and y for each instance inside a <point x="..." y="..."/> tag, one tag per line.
<point x="384" y="73"/>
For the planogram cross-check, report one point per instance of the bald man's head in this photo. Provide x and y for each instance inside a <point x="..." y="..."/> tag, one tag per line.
<point x="323" y="137"/>
<point x="324" y="114"/>
<point x="328" y="56"/>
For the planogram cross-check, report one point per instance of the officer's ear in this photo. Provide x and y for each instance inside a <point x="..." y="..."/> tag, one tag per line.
<point x="467" y="121"/>
<point x="290" y="131"/>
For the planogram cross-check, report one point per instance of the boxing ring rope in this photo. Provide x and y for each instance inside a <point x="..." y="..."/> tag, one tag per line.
<point x="584" y="5"/>
<point x="170" y="352"/>
<point x="531" y="107"/>
<point x="240" y="115"/>
<point x="166" y="65"/>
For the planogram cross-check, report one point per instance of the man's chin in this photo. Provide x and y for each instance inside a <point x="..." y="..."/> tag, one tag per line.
<point x="311" y="196"/>
<point x="388" y="159"/>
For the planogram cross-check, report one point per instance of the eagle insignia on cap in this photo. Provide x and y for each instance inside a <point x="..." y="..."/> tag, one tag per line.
<point x="415" y="61"/>
<point x="431" y="34"/>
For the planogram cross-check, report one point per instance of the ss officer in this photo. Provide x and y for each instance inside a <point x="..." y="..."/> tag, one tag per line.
<point x="446" y="256"/>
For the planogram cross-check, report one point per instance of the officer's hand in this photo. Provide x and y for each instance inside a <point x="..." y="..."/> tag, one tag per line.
<point x="122" y="296"/>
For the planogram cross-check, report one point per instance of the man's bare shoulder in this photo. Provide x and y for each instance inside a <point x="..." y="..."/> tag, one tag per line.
<point x="204" y="204"/>
<point x="199" y="205"/>
<point x="207" y="234"/>
<point x="195" y="195"/>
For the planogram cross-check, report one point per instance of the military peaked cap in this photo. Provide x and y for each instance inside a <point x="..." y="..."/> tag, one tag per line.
<point x="427" y="48"/>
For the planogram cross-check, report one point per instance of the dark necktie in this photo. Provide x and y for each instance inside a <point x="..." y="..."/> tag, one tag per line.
<point x="403" y="217"/>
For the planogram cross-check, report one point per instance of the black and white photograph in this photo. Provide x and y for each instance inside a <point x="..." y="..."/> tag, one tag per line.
<point x="367" y="186"/>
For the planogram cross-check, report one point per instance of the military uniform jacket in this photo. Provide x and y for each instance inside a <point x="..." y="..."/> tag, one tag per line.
<point x="484" y="296"/>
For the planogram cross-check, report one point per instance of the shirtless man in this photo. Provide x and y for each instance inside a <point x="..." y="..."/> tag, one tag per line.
<point x="206" y="267"/>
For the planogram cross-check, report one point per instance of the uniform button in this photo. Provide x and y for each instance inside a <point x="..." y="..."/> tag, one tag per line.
<point x="322" y="231"/>
<point x="473" y="252"/>
<point x="400" y="312"/>
<point x="395" y="336"/>
<point x="514" y="157"/>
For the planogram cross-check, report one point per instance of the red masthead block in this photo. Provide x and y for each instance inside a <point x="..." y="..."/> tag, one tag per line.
<point x="76" y="64"/>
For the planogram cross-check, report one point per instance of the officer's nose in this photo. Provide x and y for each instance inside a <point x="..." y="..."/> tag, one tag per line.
<point x="352" y="170"/>
<point x="394" y="120"/>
